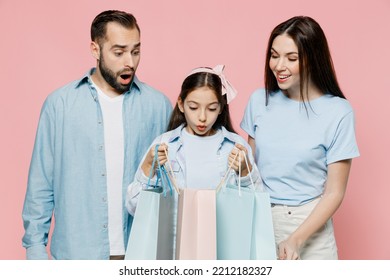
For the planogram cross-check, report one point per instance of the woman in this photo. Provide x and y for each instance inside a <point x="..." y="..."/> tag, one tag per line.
<point x="301" y="129"/>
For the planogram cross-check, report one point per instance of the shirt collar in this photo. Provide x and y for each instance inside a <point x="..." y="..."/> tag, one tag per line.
<point x="226" y="135"/>
<point x="136" y="84"/>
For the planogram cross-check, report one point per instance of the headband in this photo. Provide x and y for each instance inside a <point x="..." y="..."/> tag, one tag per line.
<point x="227" y="88"/>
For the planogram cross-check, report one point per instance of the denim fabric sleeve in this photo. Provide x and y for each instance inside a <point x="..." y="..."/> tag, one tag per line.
<point x="257" y="182"/>
<point x="141" y="181"/>
<point x="254" y="174"/>
<point x="39" y="202"/>
<point x="134" y="189"/>
<point x="37" y="252"/>
<point x="132" y="196"/>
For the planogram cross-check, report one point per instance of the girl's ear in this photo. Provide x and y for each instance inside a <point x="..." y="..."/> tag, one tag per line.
<point x="180" y="105"/>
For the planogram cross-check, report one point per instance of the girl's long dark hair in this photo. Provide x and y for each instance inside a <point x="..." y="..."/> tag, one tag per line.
<point x="315" y="61"/>
<point x="199" y="80"/>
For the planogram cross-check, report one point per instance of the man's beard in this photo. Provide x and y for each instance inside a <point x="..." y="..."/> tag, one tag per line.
<point x="111" y="78"/>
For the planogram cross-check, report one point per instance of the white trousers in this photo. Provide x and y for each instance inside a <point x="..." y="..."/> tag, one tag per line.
<point x="320" y="246"/>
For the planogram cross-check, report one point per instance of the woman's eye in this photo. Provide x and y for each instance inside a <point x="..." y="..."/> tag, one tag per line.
<point x="193" y="108"/>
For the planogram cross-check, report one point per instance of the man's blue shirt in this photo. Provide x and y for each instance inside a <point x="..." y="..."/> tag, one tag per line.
<point x="67" y="174"/>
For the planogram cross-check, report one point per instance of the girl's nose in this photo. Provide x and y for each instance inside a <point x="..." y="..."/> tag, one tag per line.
<point x="202" y="116"/>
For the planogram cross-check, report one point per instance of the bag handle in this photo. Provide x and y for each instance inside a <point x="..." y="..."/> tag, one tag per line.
<point x="239" y="172"/>
<point x="226" y="174"/>
<point x="250" y="171"/>
<point x="161" y="173"/>
<point x="171" y="177"/>
<point x="153" y="165"/>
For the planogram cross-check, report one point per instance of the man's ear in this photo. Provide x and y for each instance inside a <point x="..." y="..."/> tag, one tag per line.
<point x="95" y="50"/>
<point x="180" y="105"/>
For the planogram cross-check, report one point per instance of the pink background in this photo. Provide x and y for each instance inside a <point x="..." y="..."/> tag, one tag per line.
<point x="45" y="44"/>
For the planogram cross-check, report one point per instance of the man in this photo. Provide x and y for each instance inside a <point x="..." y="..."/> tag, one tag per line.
<point x="91" y="135"/>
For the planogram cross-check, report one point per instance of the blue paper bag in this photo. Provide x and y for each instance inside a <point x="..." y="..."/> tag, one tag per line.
<point x="152" y="233"/>
<point x="235" y="214"/>
<point x="263" y="238"/>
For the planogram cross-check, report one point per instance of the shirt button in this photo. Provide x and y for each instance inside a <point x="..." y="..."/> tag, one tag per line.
<point x="289" y="212"/>
<point x="101" y="147"/>
<point x="104" y="226"/>
<point x="103" y="174"/>
<point x="104" y="199"/>
<point x="99" y="122"/>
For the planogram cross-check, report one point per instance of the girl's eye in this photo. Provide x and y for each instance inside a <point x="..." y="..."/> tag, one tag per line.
<point x="193" y="108"/>
<point x="293" y="59"/>
<point x="213" y="109"/>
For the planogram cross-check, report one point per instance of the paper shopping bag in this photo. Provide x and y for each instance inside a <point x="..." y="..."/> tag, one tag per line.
<point x="263" y="238"/>
<point x="196" y="225"/>
<point x="235" y="214"/>
<point x="152" y="233"/>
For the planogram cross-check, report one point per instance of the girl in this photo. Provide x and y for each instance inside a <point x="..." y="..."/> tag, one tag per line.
<point x="301" y="128"/>
<point x="201" y="143"/>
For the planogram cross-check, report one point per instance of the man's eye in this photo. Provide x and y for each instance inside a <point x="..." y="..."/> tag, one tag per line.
<point x="118" y="53"/>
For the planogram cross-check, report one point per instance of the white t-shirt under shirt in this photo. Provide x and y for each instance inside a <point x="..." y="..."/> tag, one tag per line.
<point x="201" y="159"/>
<point x="294" y="147"/>
<point x="114" y="153"/>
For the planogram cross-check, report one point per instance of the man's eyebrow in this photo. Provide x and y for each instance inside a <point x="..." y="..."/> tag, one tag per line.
<point x="117" y="46"/>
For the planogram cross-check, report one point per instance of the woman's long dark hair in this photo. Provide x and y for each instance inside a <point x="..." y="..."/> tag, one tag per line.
<point x="315" y="61"/>
<point x="199" y="80"/>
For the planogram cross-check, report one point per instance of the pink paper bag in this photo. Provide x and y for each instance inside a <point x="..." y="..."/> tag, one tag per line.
<point x="196" y="237"/>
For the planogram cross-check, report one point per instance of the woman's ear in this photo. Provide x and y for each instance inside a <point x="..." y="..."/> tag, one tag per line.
<point x="180" y="104"/>
<point x="95" y="50"/>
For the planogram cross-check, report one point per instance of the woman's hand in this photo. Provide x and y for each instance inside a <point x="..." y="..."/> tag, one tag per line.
<point x="161" y="157"/>
<point x="237" y="159"/>
<point x="288" y="250"/>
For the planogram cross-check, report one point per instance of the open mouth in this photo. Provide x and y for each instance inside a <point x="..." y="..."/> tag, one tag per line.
<point x="126" y="78"/>
<point x="283" y="78"/>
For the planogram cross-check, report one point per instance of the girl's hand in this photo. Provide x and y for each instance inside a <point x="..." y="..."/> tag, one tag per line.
<point x="161" y="157"/>
<point x="236" y="159"/>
